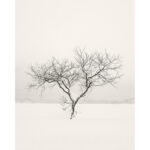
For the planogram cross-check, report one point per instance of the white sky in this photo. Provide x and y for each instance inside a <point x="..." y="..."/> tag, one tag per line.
<point x="46" y="28"/>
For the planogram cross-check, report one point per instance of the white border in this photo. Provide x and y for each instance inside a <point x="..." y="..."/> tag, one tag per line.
<point x="142" y="74"/>
<point x="7" y="75"/>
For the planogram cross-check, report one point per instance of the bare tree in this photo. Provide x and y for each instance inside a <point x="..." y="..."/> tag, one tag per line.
<point x="86" y="71"/>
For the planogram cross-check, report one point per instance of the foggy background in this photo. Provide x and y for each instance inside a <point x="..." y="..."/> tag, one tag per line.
<point x="46" y="28"/>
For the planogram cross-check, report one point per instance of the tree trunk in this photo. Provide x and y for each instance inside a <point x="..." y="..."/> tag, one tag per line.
<point x="73" y="110"/>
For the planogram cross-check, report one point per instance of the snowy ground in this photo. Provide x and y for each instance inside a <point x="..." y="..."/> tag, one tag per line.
<point x="96" y="127"/>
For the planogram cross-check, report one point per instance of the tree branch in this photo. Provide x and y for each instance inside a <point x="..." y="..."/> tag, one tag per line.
<point x="83" y="94"/>
<point x="67" y="92"/>
<point x="88" y="70"/>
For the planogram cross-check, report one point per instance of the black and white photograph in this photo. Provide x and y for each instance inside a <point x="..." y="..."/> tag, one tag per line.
<point x="74" y="74"/>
